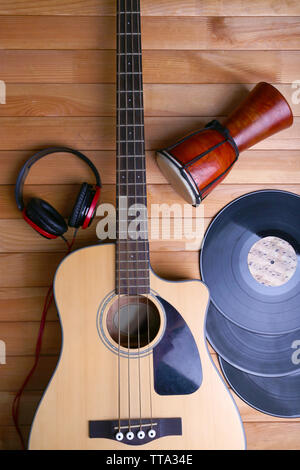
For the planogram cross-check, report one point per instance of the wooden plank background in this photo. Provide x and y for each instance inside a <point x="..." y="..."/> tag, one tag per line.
<point x="58" y="61"/>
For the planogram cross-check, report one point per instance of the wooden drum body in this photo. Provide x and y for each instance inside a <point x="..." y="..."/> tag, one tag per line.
<point x="197" y="163"/>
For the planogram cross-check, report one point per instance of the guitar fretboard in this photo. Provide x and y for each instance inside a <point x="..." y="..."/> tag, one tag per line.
<point x="132" y="250"/>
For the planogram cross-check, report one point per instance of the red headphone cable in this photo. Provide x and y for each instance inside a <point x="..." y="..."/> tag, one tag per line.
<point x="47" y="304"/>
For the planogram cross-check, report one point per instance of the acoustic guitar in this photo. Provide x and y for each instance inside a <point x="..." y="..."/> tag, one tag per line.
<point x="134" y="370"/>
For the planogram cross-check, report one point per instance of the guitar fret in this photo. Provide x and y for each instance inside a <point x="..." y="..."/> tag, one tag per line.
<point x="126" y="156"/>
<point x="136" y="269"/>
<point x="125" y="220"/>
<point x="133" y="290"/>
<point x="139" y="285"/>
<point x="134" y="262"/>
<point x="123" y="237"/>
<point x="142" y="171"/>
<point x="140" y="273"/>
<point x="131" y="282"/>
<point x="133" y="249"/>
<point x="120" y="141"/>
<point x="146" y="262"/>
<point x="132" y="255"/>
<point x="125" y="251"/>
<point x="133" y="278"/>
<point x="130" y="73"/>
<point x="138" y="183"/>
<point x="132" y="197"/>
<point x="129" y="53"/>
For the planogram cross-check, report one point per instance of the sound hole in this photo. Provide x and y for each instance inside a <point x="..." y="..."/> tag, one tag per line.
<point x="134" y="314"/>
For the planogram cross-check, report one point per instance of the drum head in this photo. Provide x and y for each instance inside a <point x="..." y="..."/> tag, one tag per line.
<point x="185" y="187"/>
<point x="265" y="355"/>
<point x="240" y="288"/>
<point x="279" y="396"/>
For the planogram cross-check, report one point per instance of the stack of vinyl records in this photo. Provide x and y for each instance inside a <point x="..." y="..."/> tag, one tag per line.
<point x="250" y="263"/>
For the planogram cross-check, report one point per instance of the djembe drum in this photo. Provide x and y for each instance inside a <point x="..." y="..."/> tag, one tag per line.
<point x="200" y="161"/>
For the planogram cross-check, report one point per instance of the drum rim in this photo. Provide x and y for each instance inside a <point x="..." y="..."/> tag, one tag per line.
<point x="189" y="178"/>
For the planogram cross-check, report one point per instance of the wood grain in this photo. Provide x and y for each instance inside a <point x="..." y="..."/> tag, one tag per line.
<point x="29" y="403"/>
<point x="99" y="99"/>
<point x="92" y="133"/>
<point x="28" y="269"/>
<point x="199" y="33"/>
<point x="9" y="439"/>
<point x="17" y="236"/>
<point x="57" y="58"/>
<point x="153" y="7"/>
<point x="273" y="436"/>
<point x="22" y="304"/>
<point x="20" y="338"/>
<point x="157" y="194"/>
<point x="14" y="372"/>
<point x="88" y="66"/>
<point x="275" y="167"/>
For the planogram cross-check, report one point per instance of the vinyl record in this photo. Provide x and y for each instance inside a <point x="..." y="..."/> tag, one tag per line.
<point x="225" y="268"/>
<point x="277" y="396"/>
<point x="264" y="355"/>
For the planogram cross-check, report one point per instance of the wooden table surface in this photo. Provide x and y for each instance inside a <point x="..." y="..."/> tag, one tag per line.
<point x="57" y="59"/>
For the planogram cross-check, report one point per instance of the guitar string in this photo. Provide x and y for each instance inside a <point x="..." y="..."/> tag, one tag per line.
<point x="127" y="234"/>
<point x="118" y="206"/>
<point x="135" y="194"/>
<point x="146" y="241"/>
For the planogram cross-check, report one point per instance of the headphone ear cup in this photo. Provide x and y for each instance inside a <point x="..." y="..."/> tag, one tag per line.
<point x="80" y="208"/>
<point x="42" y="214"/>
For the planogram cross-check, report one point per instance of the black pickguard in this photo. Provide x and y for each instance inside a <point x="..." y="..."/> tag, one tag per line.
<point x="177" y="363"/>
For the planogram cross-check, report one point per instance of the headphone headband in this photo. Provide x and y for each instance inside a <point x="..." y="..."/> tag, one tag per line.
<point x="37" y="156"/>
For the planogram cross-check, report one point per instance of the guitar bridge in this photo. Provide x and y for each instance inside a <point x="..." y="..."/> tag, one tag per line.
<point x="138" y="433"/>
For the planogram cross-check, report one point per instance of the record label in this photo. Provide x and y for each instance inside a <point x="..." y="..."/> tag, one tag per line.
<point x="272" y="261"/>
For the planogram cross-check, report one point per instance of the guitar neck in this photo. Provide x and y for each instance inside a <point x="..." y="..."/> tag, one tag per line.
<point x="132" y="255"/>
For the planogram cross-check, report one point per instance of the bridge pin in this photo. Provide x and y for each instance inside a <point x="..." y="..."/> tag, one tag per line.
<point x="129" y="435"/>
<point x="151" y="433"/>
<point x="119" y="436"/>
<point x="141" y="434"/>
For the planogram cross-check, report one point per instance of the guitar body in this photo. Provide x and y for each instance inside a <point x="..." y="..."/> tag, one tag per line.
<point x="84" y="387"/>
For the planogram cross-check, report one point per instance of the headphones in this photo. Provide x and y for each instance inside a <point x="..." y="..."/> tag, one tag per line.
<point x="46" y="220"/>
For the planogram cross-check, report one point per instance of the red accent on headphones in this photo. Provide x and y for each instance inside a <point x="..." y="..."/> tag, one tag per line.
<point x="36" y="227"/>
<point x="92" y="208"/>
<point x="42" y="216"/>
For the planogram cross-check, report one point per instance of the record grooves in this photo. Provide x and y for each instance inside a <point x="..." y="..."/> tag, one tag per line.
<point x="279" y="396"/>
<point x="224" y="268"/>
<point x="253" y="320"/>
<point x="263" y="355"/>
